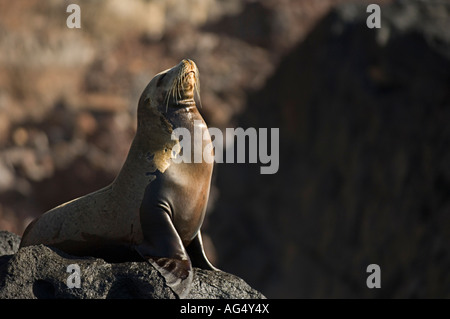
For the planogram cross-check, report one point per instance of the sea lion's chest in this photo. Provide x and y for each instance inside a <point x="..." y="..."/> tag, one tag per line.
<point x="184" y="186"/>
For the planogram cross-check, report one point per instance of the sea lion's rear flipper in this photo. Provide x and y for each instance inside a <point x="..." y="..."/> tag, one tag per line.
<point x="163" y="248"/>
<point x="197" y="254"/>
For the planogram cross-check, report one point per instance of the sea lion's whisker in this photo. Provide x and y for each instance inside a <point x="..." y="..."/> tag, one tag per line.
<point x="169" y="92"/>
<point x="167" y="100"/>
<point x="181" y="79"/>
<point x="197" y="91"/>
<point x="173" y="89"/>
<point x="177" y="90"/>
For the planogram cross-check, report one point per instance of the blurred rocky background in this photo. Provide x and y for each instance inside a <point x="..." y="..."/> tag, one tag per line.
<point x="364" y="118"/>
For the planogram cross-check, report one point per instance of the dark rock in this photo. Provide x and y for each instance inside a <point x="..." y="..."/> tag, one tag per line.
<point x="42" y="272"/>
<point x="364" y="163"/>
<point x="9" y="243"/>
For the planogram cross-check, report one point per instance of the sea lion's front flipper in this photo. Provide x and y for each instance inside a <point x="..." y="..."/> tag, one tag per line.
<point x="197" y="254"/>
<point x="163" y="248"/>
<point x="177" y="273"/>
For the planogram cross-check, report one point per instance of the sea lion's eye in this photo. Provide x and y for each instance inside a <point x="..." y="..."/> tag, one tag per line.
<point x="160" y="80"/>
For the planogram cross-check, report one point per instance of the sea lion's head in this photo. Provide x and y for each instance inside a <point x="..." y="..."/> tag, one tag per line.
<point x="169" y="91"/>
<point x="171" y="88"/>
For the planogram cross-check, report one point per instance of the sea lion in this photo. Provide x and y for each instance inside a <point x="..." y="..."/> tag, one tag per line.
<point x="155" y="207"/>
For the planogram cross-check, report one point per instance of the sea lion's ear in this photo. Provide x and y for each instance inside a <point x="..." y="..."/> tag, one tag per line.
<point x="147" y="102"/>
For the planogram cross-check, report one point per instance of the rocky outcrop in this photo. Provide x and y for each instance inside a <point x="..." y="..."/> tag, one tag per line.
<point x="9" y="243"/>
<point x="42" y="272"/>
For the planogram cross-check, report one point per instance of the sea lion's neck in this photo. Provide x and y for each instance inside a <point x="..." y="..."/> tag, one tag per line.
<point x="150" y="151"/>
<point x="137" y="164"/>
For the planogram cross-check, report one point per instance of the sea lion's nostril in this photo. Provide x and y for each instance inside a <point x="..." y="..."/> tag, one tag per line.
<point x="188" y="62"/>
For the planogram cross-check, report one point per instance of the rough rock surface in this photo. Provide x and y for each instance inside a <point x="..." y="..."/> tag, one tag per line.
<point x="9" y="243"/>
<point x="41" y="272"/>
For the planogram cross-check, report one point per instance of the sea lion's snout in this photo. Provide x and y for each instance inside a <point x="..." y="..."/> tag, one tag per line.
<point x="184" y="83"/>
<point x="174" y="87"/>
<point x="188" y="64"/>
<point x="189" y="75"/>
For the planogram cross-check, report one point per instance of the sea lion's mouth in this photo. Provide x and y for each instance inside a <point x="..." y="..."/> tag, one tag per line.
<point x="185" y="103"/>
